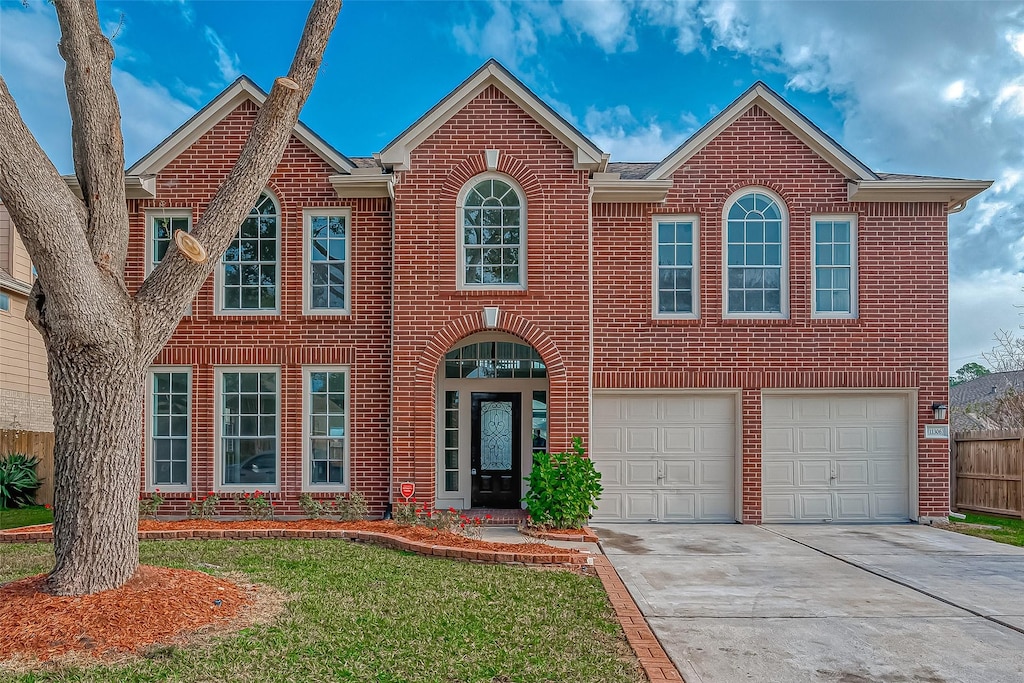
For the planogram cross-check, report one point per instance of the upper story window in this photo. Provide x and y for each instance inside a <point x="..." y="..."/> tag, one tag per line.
<point x="5" y="303"/>
<point x="675" y="272"/>
<point x="756" y="258"/>
<point x="249" y="269"/>
<point x="327" y="273"/>
<point x="835" y="266"/>
<point x="161" y="234"/>
<point x="492" y="235"/>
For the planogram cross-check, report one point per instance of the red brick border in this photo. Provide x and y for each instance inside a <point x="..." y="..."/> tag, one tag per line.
<point x="586" y="535"/>
<point x="550" y="556"/>
<point x="649" y="651"/>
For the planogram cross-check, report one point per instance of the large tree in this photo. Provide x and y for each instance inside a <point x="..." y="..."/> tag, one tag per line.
<point x="100" y="337"/>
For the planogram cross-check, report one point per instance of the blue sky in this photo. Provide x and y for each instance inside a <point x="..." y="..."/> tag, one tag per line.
<point x="933" y="88"/>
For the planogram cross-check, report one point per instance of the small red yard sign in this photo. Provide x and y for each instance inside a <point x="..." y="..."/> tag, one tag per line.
<point x="408" y="488"/>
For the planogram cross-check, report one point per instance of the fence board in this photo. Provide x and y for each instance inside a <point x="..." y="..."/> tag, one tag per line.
<point x="39" y="444"/>
<point x="988" y="471"/>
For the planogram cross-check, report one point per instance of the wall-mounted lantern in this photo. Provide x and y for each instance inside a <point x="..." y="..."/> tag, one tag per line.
<point x="939" y="411"/>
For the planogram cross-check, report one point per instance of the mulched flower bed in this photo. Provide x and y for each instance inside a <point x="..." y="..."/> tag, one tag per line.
<point x="155" y="606"/>
<point x="421" y="534"/>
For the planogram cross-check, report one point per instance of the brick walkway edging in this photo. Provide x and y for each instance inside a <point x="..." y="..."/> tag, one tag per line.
<point x="386" y="540"/>
<point x="652" y="655"/>
<point x="586" y="535"/>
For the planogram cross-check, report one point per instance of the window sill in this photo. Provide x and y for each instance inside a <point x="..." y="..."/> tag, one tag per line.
<point x="491" y="292"/>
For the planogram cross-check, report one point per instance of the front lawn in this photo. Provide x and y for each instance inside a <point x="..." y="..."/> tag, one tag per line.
<point x="363" y="613"/>
<point x="1011" y="530"/>
<point x="27" y="516"/>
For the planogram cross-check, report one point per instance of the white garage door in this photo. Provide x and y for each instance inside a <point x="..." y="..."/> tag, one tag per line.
<point x="840" y="458"/>
<point x="667" y="457"/>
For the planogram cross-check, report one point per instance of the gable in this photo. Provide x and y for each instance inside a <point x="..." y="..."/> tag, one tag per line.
<point x="763" y="97"/>
<point x="241" y="91"/>
<point x="397" y="153"/>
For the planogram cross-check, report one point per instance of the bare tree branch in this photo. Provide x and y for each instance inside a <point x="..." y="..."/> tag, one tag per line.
<point x="95" y="131"/>
<point x="175" y="282"/>
<point x="48" y="216"/>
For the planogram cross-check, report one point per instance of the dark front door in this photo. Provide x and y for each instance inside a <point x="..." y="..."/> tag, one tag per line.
<point x="497" y="452"/>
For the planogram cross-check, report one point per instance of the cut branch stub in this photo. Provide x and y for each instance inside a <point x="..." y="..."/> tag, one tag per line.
<point x="190" y="247"/>
<point x="286" y="82"/>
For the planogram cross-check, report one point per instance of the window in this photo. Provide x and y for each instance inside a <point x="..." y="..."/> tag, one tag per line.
<point x="326" y="427"/>
<point x="161" y="233"/>
<point x="168" y="428"/>
<point x="675" y="249"/>
<point x="327" y="260"/>
<point x="5" y="302"/>
<point x="451" y="441"/>
<point x="755" y="255"/>
<point x="492" y="235"/>
<point x="249" y="267"/>
<point x="247" y="404"/>
<point x="494" y="359"/>
<point x="835" y="267"/>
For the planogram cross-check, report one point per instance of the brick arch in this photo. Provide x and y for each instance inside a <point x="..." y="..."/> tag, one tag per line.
<point x="754" y="183"/>
<point x="460" y="328"/>
<point x="508" y="164"/>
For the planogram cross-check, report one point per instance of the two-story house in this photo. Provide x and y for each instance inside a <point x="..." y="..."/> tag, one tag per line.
<point x="751" y="329"/>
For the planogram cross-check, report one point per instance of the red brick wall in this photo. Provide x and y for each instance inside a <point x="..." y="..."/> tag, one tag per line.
<point x="898" y="341"/>
<point x="430" y="314"/>
<point x="290" y="340"/>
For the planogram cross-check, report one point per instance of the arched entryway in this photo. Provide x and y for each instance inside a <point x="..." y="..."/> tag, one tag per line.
<point x="492" y="414"/>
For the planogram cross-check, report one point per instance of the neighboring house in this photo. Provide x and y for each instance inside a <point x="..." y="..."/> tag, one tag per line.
<point x="751" y="329"/>
<point x="24" y="386"/>
<point x="975" y="404"/>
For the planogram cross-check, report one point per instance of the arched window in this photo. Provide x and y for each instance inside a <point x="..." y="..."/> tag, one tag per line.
<point x="249" y="267"/>
<point x="756" y="258"/>
<point x="492" y="227"/>
<point x="494" y="359"/>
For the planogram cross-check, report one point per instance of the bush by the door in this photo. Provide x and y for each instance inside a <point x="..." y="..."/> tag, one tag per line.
<point x="564" y="488"/>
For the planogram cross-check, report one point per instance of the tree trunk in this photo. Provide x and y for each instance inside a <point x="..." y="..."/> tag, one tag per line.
<point x="97" y="410"/>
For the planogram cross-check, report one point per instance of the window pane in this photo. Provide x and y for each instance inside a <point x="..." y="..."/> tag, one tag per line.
<point x="326" y="424"/>
<point x="169" y="428"/>
<point x="249" y="449"/>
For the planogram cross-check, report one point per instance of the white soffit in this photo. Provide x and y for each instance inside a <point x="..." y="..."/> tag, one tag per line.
<point x="954" y="193"/>
<point x="587" y="155"/>
<point x="209" y="116"/>
<point x="610" y="187"/>
<point x="761" y="95"/>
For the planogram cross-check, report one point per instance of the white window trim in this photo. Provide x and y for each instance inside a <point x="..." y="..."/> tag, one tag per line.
<point x="854" y="279"/>
<point x="174" y="212"/>
<point x="218" y="428"/>
<point x="218" y="272"/>
<point x="695" y="269"/>
<point x="346" y="485"/>
<point x="783" y="313"/>
<point x="460" y="235"/>
<point x="307" y="274"/>
<point x="147" y="444"/>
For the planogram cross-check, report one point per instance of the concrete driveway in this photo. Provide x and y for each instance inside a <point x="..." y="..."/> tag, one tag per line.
<point x="855" y="604"/>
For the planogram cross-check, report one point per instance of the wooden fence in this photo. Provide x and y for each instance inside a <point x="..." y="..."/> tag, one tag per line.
<point x="39" y="444"/>
<point x="987" y="470"/>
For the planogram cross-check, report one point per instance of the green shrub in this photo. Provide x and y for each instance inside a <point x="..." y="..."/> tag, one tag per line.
<point x="313" y="508"/>
<point x="18" y="480"/>
<point x="564" y="488"/>
<point x="352" y="508"/>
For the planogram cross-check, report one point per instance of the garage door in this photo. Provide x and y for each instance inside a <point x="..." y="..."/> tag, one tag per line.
<point x="840" y="458"/>
<point x="667" y="458"/>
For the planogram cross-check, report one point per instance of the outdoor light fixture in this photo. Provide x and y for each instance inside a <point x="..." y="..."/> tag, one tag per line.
<point x="939" y="410"/>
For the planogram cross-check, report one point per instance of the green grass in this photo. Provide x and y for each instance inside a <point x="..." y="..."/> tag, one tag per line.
<point x="1011" y="530"/>
<point x="36" y="514"/>
<point x="362" y="613"/>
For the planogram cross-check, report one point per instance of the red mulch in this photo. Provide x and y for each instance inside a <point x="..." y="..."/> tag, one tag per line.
<point x="155" y="606"/>
<point x="413" y="533"/>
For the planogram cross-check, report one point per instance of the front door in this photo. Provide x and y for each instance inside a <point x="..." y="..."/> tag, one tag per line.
<point x="496" y="449"/>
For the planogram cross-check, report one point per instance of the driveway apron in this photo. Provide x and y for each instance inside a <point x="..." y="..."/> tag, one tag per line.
<point x="895" y="603"/>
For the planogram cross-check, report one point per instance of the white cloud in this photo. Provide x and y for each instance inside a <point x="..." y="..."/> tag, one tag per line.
<point x="227" y="62"/>
<point x="34" y="73"/>
<point x="617" y="131"/>
<point x="607" y="22"/>
<point x="992" y="295"/>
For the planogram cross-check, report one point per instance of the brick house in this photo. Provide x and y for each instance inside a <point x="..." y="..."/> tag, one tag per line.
<point x="752" y="329"/>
